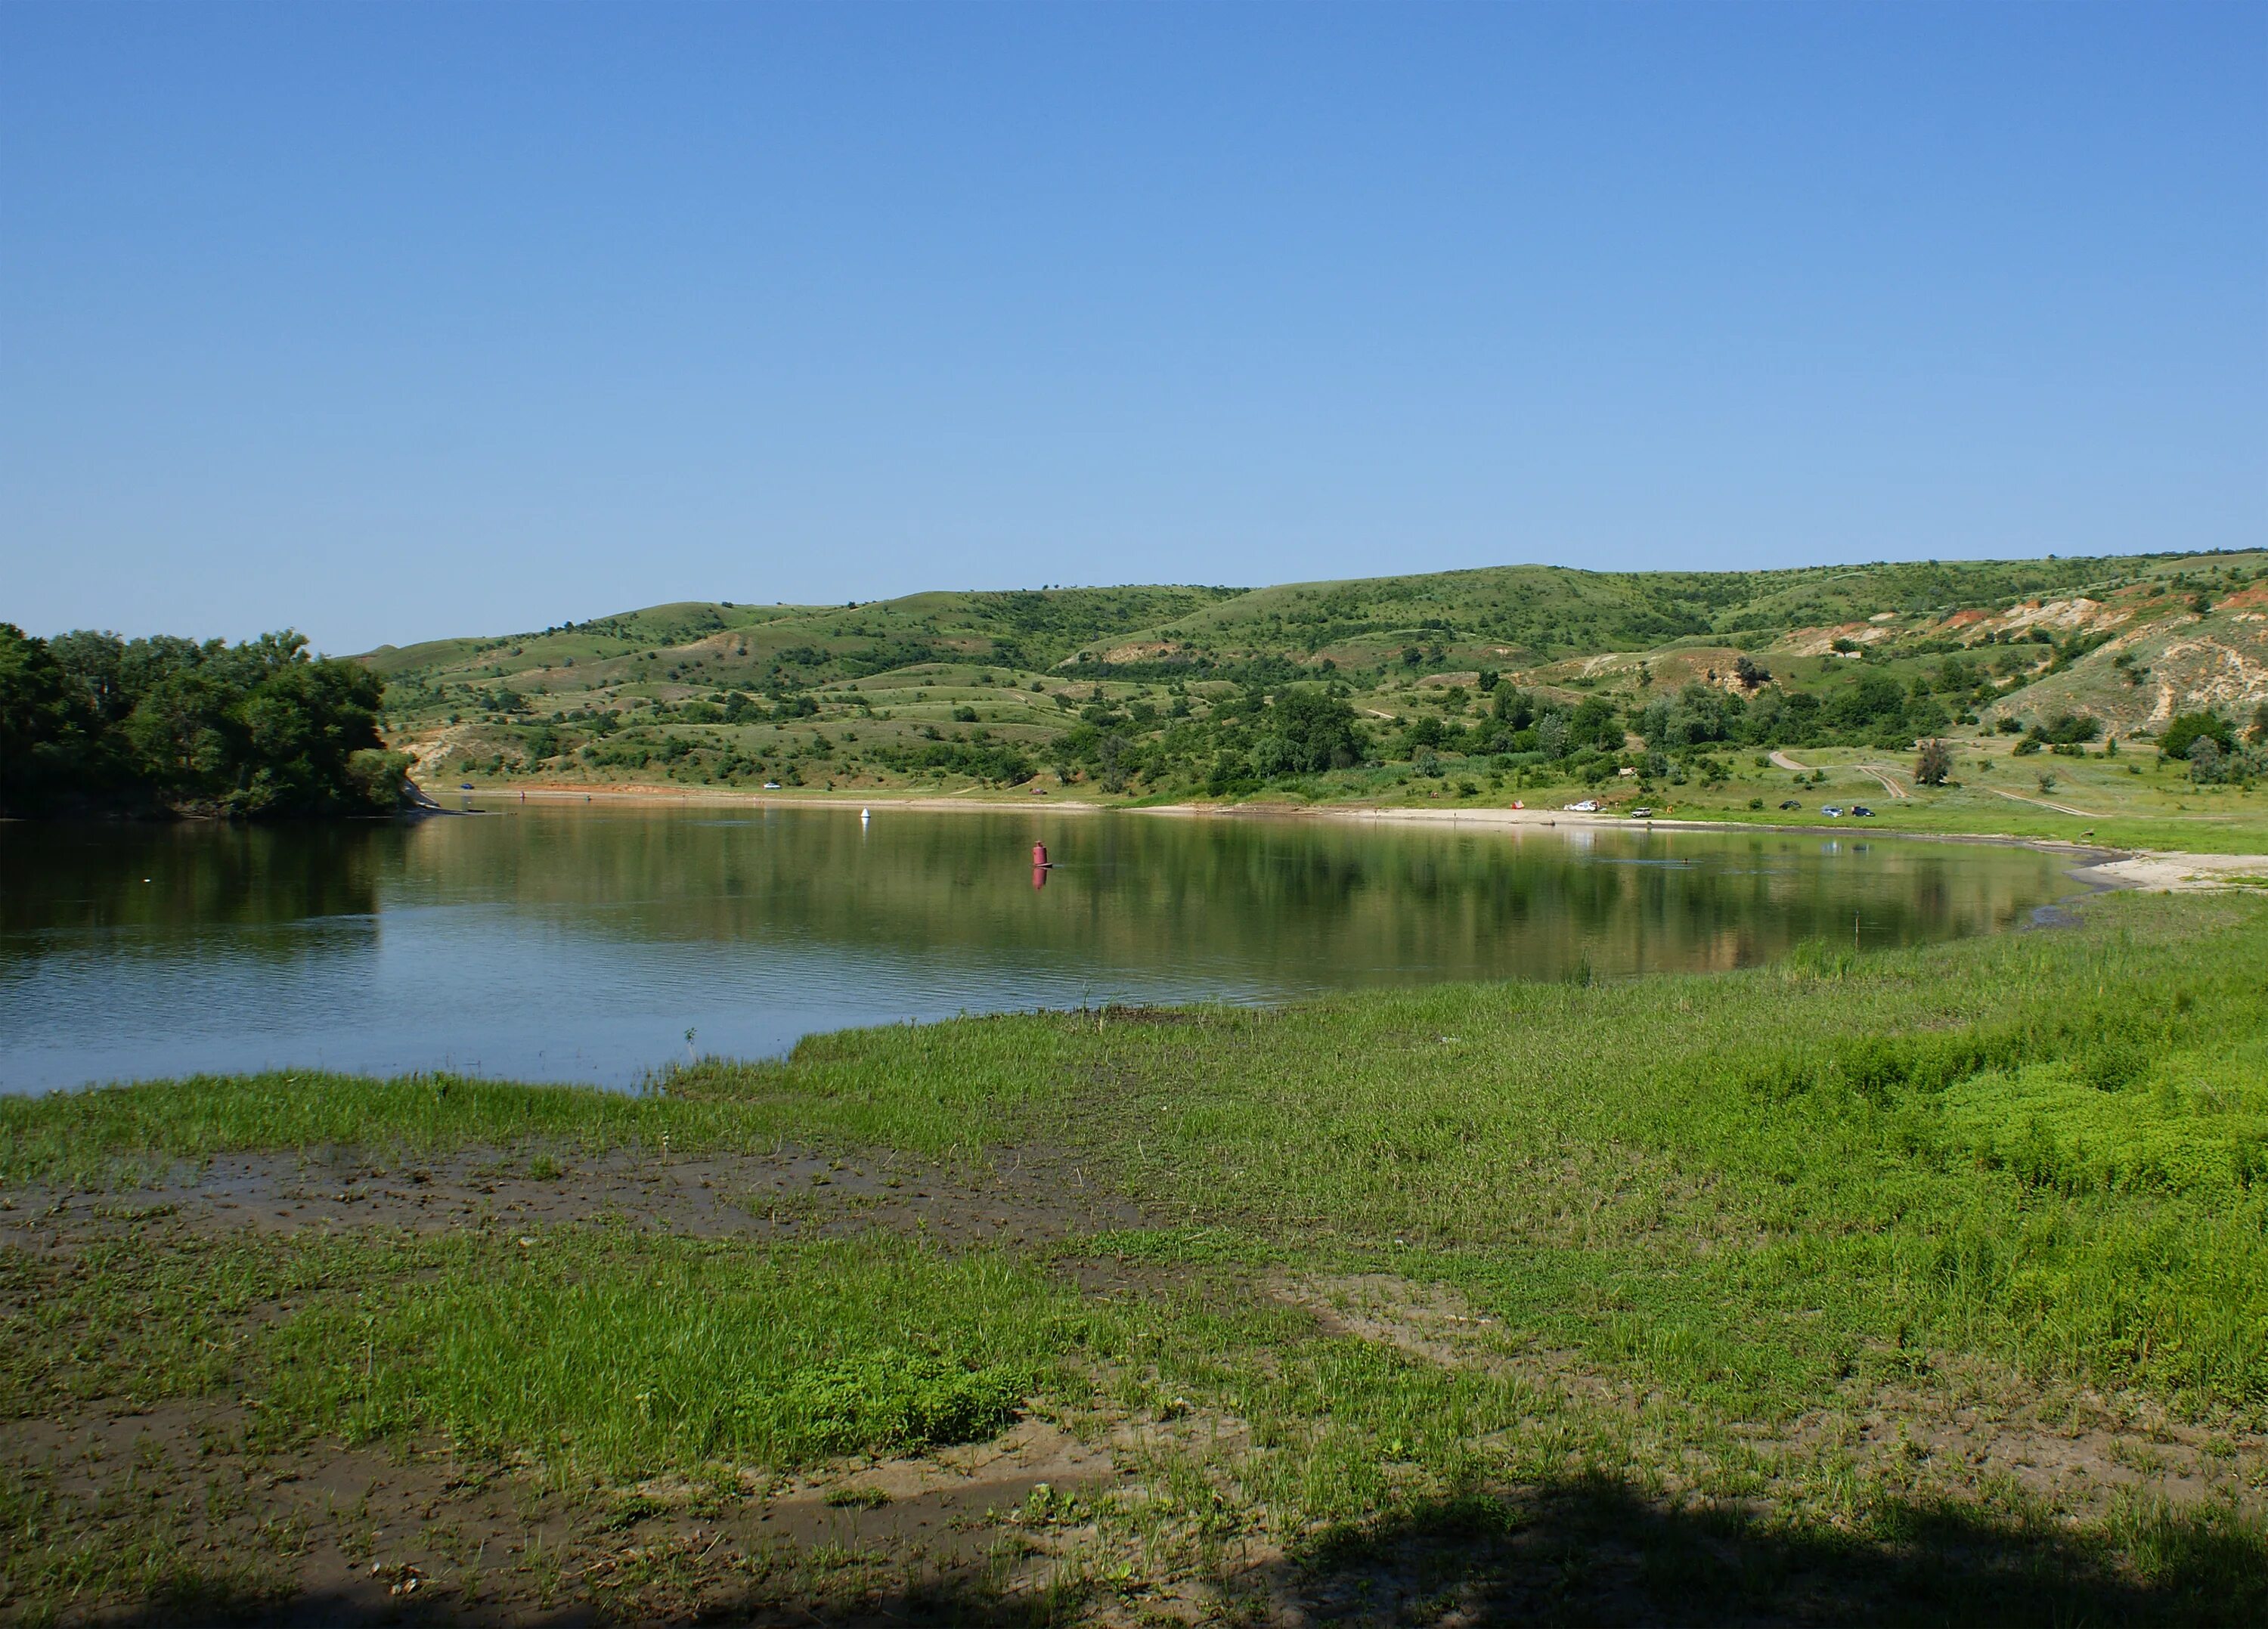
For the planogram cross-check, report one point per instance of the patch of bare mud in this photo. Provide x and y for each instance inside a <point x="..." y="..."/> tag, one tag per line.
<point x="1434" y="1323"/>
<point x="2075" y="1451"/>
<point x="793" y="1193"/>
<point x="318" y="1534"/>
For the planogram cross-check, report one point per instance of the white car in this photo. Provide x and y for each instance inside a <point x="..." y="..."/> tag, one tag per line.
<point x="1588" y="806"/>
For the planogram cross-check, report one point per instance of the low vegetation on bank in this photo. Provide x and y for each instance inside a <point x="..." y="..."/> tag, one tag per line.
<point x="1921" y="1286"/>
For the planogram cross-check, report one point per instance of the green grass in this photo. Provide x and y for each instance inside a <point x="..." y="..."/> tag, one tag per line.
<point x="1677" y="1228"/>
<point x="2152" y="809"/>
<point x="1908" y="1140"/>
<point x="138" y="1323"/>
<point x="137" y="1133"/>
<point x="622" y="1354"/>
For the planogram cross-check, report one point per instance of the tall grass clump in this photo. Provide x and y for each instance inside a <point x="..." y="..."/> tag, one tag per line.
<point x="630" y="1355"/>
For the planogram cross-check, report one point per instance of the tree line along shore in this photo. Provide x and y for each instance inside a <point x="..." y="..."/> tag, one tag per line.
<point x="92" y="724"/>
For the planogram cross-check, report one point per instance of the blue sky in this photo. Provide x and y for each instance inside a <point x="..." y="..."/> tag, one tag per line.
<point x="394" y="321"/>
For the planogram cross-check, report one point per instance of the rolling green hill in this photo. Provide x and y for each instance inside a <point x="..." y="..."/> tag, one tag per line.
<point x="1531" y="676"/>
<point x="1535" y="614"/>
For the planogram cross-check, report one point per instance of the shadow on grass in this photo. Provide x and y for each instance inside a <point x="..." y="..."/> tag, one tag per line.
<point x="1583" y="1551"/>
<point x="1596" y="1551"/>
<point x="953" y="1603"/>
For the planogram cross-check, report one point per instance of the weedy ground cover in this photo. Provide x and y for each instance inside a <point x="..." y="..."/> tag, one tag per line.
<point x="1923" y="1284"/>
<point x="607" y="1352"/>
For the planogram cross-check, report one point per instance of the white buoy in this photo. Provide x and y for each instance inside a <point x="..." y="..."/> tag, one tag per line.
<point x="865" y="815"/>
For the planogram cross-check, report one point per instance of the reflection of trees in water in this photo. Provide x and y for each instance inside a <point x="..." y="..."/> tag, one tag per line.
<point x="1286" y="902"/>
<point x="1292" y="902"/>
<point x="176" y="882"/>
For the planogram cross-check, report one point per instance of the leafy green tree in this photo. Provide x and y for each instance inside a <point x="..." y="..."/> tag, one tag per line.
<point x="1514" y="709"/>
<point x="1316" y="731"/>
<point x="176" y="731"/>
<point x="2187" y="727"/>
<point x="1875" y="706"/>
<point x="1933" y="766"/>
<point x="2069" y="729"/>
<point x="1595" y="724"/>
<point x="43" y="735"/>
<point x="98" y="664"/>
<point x="1925" y="715"/>
<point x="1112" y="756"/>
<point x="1698" y="713"/>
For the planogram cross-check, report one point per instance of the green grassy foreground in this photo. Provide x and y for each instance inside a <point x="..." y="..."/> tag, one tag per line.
<point x="1647" y="1264"/>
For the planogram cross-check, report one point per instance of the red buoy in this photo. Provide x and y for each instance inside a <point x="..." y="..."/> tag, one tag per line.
<point x="1039" y="854"/>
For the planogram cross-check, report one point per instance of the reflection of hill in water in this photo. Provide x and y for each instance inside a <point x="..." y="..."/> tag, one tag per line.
<point x="1283" y="904"/>
<point x="575" y="945"/>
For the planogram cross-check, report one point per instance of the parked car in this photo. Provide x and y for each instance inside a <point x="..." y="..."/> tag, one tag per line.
<point x="1860" y="808"/>
<point x="1588" y="806"/>
<point x="1641" y="814"/>
<point x="1792" y="803"/>
<point x="1833" y="811"/>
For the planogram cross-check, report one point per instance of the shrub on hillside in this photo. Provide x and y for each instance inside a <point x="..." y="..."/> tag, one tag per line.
<point x="2188" y="726"/>
<point x="2069" y="729"/>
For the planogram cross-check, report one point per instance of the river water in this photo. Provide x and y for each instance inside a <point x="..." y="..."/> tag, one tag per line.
<point x="583" y="943"/>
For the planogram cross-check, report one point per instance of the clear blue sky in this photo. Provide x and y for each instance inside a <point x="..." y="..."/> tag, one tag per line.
<point x="390" y="322"/>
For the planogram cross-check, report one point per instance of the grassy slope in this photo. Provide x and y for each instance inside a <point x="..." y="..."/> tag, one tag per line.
<point x="740" y="642"/>
<point x="895" y="675"/>
<point x="2126" y="801"/>
<point x="1711" y="1216"/>
<point x="1543" y="614"/>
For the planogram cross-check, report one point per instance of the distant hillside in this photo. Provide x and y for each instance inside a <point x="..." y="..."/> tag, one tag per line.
<point x="1534" y="615"/>
<point x="1158" y="687"/>
<point x="745" y="643"/>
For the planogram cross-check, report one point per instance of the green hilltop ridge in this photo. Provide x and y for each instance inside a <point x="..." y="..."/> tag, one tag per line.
<point x="1481" y="685"/>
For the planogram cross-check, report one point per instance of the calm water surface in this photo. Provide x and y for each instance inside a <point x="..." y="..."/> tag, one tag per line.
<point x="582" y="944"/>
